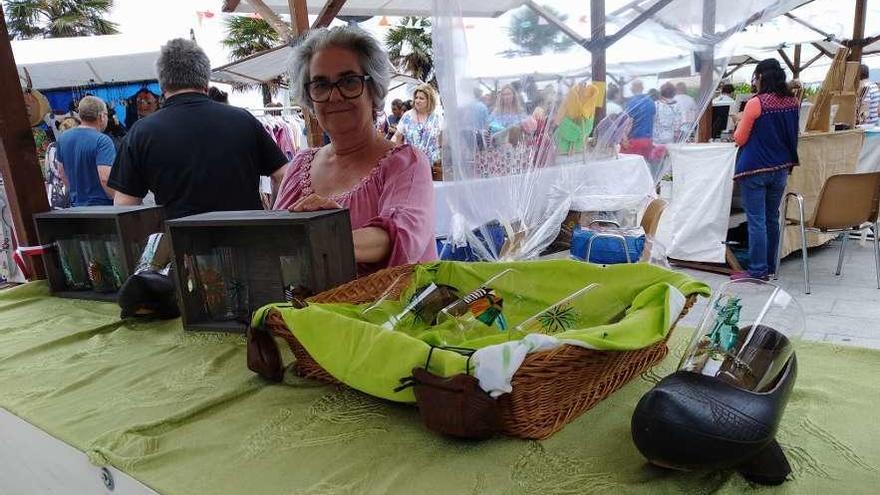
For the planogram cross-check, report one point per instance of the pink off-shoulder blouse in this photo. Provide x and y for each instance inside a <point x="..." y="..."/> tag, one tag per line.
<point x="397" y="195"/>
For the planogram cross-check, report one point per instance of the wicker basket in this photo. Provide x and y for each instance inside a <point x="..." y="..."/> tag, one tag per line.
<point x="550" y="389"/>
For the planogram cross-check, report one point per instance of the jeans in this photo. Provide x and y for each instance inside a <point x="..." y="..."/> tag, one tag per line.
<point x="761" y="197"/>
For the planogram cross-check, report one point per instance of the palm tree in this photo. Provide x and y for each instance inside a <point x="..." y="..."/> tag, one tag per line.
<point x="410" y="49"/>
<point x="246" y="36"/>
<point x="58" y="18"/>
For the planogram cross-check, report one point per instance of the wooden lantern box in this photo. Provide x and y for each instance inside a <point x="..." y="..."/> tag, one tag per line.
<point x="96" y="248"/>
<point x="230" y="263"/>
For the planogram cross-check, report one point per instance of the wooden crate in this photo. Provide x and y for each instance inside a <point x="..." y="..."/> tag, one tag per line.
<point x="317" y="249"/>
<point x="128" y="225"/>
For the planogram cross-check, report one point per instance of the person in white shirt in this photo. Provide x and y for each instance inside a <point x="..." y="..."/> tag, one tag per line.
<point x="726" y="96"/>
<point x="612" y="107"/>
<point x="726" y="99"/>
<point x="686" y="104"/>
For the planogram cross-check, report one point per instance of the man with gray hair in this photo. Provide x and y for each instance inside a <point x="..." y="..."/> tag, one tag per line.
<point x="195" y="154"/>
<point x="85" y="155"/>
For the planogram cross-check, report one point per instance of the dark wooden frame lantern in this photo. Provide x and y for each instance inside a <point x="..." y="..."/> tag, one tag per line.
<point x="249" y="259"/>
<point x="128" y="227"/>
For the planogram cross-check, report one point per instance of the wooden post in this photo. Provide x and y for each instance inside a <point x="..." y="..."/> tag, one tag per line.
<point x="858" y="37"/>
<point x="707" y="76"/>
<point x="22" y="176"/>
<point x="598" y="48"/>
<point x="328" y="13"/>
<point x="796" y="72"/>
<point x="299" y="17"/>
<point x="271" y="17"/>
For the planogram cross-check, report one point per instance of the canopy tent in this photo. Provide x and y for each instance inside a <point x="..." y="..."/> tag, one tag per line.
<point x="482" y="8"/>
<point x="257" y="68"/>
<point x="268" y="65"/>
<point x="769" y="32"/>
<point x="87" y="61"/>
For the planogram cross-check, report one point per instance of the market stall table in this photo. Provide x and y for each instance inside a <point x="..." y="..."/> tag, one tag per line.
<point x="182" y="414"/>
<point x="600" y="185"/>
<point x="821" y="155"/>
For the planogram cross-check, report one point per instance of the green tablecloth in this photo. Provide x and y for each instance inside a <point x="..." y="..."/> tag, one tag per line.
<point x="181" y="413"/>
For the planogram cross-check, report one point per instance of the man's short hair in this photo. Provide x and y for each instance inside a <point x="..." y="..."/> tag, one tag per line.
<point x="182" y="65"/>
<point x="90" y="108"/>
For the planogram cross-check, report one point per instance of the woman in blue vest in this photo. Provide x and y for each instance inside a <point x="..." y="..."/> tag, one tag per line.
<point x="768" y="136"/>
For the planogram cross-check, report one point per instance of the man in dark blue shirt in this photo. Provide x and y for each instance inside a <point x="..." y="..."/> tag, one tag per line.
<point x="85" y="156"/>
<point x="195" y="154"/>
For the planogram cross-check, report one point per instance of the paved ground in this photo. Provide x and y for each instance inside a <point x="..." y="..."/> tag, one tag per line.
<point x="843" y="310"/>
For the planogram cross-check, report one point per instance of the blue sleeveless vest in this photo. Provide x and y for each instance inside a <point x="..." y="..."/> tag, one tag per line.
<point x="772" y="144"/>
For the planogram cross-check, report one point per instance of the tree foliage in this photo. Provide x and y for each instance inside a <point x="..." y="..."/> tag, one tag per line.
<point x="410" y="49"/>
<point x="246" y="36"/>
<point x="534" y="35"/>
<point x="28" y="19"/>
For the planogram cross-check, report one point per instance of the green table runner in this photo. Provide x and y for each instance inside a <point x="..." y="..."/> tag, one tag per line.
<point x="181" y="413"/>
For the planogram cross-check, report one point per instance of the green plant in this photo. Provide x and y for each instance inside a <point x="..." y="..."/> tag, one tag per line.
<point x="410" y="49"/>
<point x="28" y="19"/>
<point x="246" y="36"/>
<point x="743" y="89"/>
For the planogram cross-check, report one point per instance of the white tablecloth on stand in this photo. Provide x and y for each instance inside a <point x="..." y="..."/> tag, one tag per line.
<point x="694" y="226"/>
<point x="869" y="159"/>
<point x="602" y="185"/>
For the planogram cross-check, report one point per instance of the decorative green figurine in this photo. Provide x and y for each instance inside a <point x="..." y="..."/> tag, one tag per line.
<point x="725" y="331"/>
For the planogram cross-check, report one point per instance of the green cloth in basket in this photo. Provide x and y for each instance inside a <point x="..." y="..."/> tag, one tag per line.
<point x="359" y="352"/>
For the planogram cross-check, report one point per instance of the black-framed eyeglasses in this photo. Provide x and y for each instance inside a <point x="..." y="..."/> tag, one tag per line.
<point x="349" y="87"/>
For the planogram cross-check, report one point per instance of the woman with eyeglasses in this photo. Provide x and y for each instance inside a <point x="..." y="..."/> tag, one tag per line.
<point x="422" y="126"/>
<point x="767" y="134"/>
<point x="342" y="75"/>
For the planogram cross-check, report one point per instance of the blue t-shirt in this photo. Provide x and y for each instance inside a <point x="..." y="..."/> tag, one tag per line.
<point x="81" y="150"/>
<point x="641" y="110"/>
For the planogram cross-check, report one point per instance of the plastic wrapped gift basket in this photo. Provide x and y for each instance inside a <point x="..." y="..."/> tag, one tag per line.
<point x="581" y="332"/>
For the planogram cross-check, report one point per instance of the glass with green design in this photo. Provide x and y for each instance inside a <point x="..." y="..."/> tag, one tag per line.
<point x="588" y="307"/>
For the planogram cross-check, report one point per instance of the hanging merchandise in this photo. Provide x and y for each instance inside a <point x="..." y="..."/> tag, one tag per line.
<point x="724" y="405"/>
<point x="287" y="129"/>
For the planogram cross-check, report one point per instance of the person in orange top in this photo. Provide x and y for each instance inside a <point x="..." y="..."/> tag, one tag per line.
<point x="767" y="135"/>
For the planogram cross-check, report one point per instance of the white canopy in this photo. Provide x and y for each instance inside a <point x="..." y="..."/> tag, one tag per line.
<point x="481" y="8"/>
<point x="68" y="62"/>
<point x="257" y="68"/>
<point x="268" y="65"/>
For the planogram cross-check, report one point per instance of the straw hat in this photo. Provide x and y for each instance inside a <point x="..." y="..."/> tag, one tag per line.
<point x="36" y="105"/>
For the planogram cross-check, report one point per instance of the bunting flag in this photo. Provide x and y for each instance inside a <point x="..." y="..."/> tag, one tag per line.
<point x="204" y="14"/>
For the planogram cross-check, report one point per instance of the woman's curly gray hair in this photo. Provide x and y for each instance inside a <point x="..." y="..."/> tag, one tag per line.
<point x="373" y="59"/>
<point x="182" y="64"/>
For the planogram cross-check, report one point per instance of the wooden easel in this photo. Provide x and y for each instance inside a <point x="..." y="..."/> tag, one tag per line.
<point x="841" y="88"/>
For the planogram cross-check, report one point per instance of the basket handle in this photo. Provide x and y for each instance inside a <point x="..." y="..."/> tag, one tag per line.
<point x="263" y="356"/>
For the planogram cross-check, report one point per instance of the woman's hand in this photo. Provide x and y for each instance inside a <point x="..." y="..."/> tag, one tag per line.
<point x="314" y="202"/>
